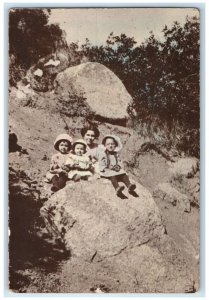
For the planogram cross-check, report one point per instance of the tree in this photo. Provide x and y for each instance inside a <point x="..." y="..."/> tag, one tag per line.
<point x="162" y="78"/>
<point x="31" y="37"/>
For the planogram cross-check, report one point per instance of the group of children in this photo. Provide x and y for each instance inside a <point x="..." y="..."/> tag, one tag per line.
<point x="73" y="162"/>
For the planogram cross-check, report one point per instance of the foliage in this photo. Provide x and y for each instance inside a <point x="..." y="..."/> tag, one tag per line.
<point x="162" y="78"/>
<point x="16" y="72"/>
<point x="73" y="105"/>
<point x="30" y="38"/>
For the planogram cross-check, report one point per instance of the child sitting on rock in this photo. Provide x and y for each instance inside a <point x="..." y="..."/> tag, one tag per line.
<point x="111" y="166"/>
<point x="58" y="173"/>
<point x="80" y="166"/>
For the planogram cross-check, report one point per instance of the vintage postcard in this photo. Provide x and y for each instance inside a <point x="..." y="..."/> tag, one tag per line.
<point x="104" y="150"/>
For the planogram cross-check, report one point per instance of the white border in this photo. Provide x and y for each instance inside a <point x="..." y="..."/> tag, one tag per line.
<point x="205" y="148"/>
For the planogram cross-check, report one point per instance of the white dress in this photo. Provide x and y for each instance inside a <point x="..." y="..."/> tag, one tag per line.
<point x="81" y="165"/>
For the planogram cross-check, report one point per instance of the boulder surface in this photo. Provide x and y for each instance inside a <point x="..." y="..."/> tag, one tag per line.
<point x="171" y="195"/>
<point x="185" y="167"/>
<point x="120" y="243"/>
<point x="104" y="92"/>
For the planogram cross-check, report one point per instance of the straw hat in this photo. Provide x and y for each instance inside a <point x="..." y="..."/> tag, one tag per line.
<point x="80" y="141"/>
<point x="61" y="137"/>
<point x="117" y="140"/>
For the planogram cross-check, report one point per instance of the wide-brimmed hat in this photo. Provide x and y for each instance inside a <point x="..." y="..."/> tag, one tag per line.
<point x="61" y="137"/>
<point x="80" y="141"/>
<point x="117" y="140"/>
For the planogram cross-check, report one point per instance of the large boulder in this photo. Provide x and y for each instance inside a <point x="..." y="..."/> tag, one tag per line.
<point x="141" y="269"/>
<point x="104" y="92"/>
<point x="118" y="242"/>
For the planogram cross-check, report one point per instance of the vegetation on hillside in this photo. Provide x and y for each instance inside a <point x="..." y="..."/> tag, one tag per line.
<point x="162" y="76"/>
<point x="30" y="38"/>
<point x="163" y="79"/>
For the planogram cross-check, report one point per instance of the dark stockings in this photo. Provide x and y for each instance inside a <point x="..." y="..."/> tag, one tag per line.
<point x="120" y="178"/>
<point x="58" y="181"/>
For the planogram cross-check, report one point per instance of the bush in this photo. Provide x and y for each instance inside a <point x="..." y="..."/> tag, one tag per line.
<point x="73" y="105"/>
<point x="163" y="80"/>
<point x="31" y="38"/>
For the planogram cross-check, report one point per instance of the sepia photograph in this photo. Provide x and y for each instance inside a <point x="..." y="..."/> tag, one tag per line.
<point x="104" y="150"/>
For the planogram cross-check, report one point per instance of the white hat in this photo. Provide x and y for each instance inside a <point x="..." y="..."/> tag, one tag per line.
<point x="61" y="137"/>
<point x="117" y="140"/>
<point x="80" y="141"/>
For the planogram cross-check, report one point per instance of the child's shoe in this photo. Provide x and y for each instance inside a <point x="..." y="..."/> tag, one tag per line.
<point x="131" y="188"/>
<point x="119" y="190"/>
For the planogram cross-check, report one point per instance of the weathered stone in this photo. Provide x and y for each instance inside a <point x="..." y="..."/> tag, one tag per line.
<point x="141" y="269"/>
<point x="114" y="242"/>
<point x="41" y="75"/>
<point x="57" y="62"/>
<point x="185" y="167"/>
<point x="170" y="195"/>
<point x="104" y="223"/>
<point x="104" y="92"/>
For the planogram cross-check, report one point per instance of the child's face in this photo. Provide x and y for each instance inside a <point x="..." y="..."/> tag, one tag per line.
<point x="64" y="147"/>
<point x="110" y="144"/>
<point x="79" y="149"/>
<point x="89" y="137"/>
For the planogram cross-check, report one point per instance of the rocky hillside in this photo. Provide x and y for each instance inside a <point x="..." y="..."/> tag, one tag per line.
<point x="146" y="243"/>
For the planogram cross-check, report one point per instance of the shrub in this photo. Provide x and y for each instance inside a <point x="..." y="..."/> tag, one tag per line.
<point x="73" y="105"/>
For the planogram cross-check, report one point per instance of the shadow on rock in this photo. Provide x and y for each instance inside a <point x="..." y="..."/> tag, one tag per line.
<point x="134" y="194"/>
<point x="122" y="196"/>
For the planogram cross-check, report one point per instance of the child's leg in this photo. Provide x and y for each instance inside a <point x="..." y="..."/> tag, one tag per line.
<point x="114" y="180"/>
<point x="58" y="182"/>
<point x="125" y="179"/>
<point x="62" y="180"/>
<point x="55" y="183"/>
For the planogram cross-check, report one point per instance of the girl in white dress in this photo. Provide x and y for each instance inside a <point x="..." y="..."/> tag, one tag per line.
<point x="58" y="173"/>
<point x="79" y="164"/>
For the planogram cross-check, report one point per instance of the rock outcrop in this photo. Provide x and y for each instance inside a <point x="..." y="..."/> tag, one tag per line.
<point x="118" y="242"/>
<point x="41" y="76"/>
<point x="172" y="196"/>
<point x="104" y="92"/>
<point x="116" y="245"/>
<point x="185" y="167"/>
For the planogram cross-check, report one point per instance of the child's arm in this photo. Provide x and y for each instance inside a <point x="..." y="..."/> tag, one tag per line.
<point x="102" y="159"/>
<point x="69" y="164"/>
<point x="89" y="165"/>
<point x="55" y="168"/>
<point x="84" y="165"/>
